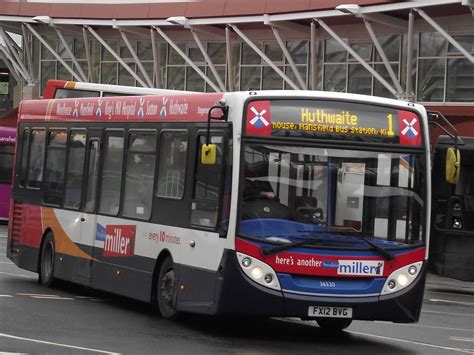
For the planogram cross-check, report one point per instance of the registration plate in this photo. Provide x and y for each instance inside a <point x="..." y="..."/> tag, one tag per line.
<point x="330" y="312"/>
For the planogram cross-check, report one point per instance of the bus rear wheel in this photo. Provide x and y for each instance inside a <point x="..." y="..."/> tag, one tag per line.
<point x="47" y="258"/>
<point x="334" y="324"/>
<point x="166" y="290"/>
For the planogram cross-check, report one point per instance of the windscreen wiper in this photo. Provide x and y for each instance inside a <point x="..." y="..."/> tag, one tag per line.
<point x="309" y="241"/>
<point x="381" y="251"/>
<point x="280" y="248"/>
<point x="385" y="254"/>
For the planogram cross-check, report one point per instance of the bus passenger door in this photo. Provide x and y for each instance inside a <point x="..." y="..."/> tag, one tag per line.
<point x="88" y="216"/>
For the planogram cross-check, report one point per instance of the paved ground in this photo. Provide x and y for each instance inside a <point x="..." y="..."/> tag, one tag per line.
<point x="445" y="284"/>
<point x="75" y="320"/>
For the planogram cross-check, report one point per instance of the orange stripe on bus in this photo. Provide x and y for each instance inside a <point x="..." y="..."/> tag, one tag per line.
<point x="70" y="85"/>
<point x="64" y="244"/>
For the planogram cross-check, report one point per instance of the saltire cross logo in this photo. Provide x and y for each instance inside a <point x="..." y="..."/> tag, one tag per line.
<point x="164" y="101"/>
<point x="140" y="113"/>
<point x="409" y="129"/>
<point x="258" y="121"/>
<point x="98" y="112"/>
<point x="259" y="118"/>
<point x="75" y="113"/>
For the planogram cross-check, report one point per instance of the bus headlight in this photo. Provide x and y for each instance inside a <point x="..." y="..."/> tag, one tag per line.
<point x="401" y="278"/>
<point x="258" y="271"/>
<point x="246" y="262"/>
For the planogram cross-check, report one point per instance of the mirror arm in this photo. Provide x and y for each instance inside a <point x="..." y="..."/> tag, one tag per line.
<point x="224" y="117"/>
<point x="438" y="115"/>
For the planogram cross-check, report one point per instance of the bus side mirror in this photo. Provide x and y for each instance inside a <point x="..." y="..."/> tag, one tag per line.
<point x="453" y="165"/>
<point x="208" y="154"/>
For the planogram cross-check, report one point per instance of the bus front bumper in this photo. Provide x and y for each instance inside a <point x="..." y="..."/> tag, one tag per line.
<point x="241" y="296"/>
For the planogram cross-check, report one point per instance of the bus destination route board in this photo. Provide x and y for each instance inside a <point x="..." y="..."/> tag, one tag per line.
<point x="332" y="120"/>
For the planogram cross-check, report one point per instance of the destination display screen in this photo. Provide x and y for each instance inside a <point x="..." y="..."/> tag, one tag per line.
<point x="332" y="120"/>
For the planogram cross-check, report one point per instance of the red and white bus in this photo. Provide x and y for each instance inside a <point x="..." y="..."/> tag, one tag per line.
<point x="300" y="204"/>
<point x="62" y="89"/>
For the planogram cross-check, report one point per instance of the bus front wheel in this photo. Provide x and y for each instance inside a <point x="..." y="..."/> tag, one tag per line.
<point x="47" y="258"/>
<point x="166" y="290"/>
<point x="335" y="324"/>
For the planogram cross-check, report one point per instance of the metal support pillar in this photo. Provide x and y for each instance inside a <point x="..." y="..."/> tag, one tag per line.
<point x="187" y="59"/>
<point x="264" y="57"/>
<point x="87" y="47"/>
<point x="290" y="60"/>
<point x="9" y="64"/>
<point x="208" y="60"/>
<point x="314" y="57"/>
<point x="71" y="54"/>
<point x="358" y="57"/>
<point x="445" y="34"/>
<point x="17" y="70"/>
<point x="229" y="55"/>
<point x="117" y="57"/>
<point x="15" y="57"/>
<point x="382" y="55"/>
<point x="156" y="58"/>
<point x="27" y="49"/>
<point x="409" y="80"/>
<point x="53" y="52"/>
<point x="135" y="58"/>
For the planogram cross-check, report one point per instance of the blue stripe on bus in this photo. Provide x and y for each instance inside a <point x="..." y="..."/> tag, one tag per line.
<point x="330" y="285"/>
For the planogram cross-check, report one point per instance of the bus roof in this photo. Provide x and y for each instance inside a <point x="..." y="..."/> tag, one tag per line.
<point x="176" y="107"/>
<point x="102" y="89"/>
<point x="7" y="136"/>
<point x="189" y="107"/>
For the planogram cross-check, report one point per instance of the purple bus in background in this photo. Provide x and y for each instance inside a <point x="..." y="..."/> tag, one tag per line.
<point x="7" y="149"/>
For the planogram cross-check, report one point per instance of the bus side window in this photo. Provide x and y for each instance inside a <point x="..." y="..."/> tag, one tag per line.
<point x="55" y="165"/>
<point x="36" y="158"/>
<point x="204" y="207"/>
<point x="172" y="164"/>
<point x="25" y="144"/>
<point x="112" y="173"/>
<point x="139" y="176"/>
<point x="75" y="169"/>
<point x="92" y="175"/>
<point x="72" y="93"/>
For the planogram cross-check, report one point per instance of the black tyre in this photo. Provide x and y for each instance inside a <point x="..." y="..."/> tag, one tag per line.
<point x="334" y="324"/>
<point x="166" y="290"/>
<point x="47" y="261"/>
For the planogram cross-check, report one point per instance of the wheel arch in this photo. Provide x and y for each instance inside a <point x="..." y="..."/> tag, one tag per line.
<point x="156" y="271"/>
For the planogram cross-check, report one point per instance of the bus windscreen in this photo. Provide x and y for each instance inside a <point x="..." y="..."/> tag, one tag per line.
<point x="332" y="120"/>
